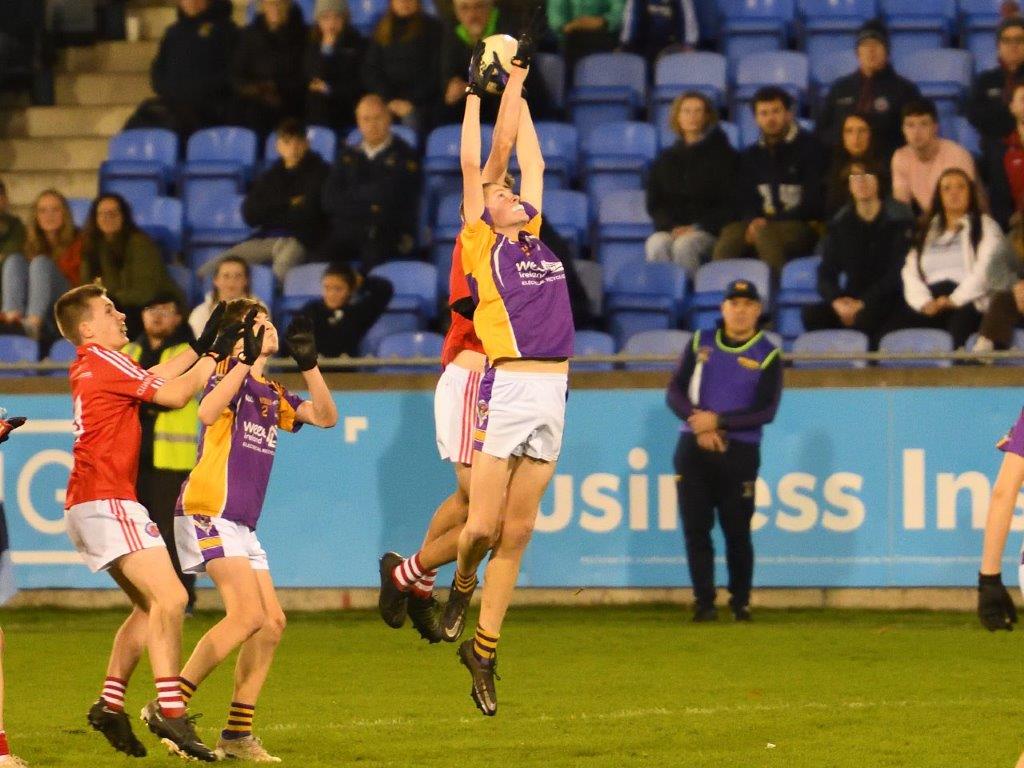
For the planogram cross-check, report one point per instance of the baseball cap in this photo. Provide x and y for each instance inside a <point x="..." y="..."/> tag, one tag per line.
<point x="742" y="289"/>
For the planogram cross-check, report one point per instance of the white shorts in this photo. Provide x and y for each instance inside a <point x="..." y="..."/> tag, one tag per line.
<point x="106" y="529"/>
<point x="454" y="412"/>
<point x="521" y="413"/>
<point x="200" y="539"/>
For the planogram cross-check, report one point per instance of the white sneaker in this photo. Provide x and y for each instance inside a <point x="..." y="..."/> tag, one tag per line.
<point x="10" y="761"/>
<point x="247" y="748"/>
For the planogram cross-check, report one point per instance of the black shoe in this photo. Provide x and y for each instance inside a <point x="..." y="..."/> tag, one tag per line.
<point x="117" y="729"/>
<point x="484" y="673"/>
<point x="741" y="613"/>
<point x="705" y="613"/>
<point x="392" y="602"/>
<point x="453" y="622"/>
<point x="425" y="616"/>
<point x="178" y="734"/>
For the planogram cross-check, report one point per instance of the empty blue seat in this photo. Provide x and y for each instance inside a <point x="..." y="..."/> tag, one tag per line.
<point x="162" y="219"/>
<point x="943" y="75"/>
<point x="62" y="351"/>
<point x="711" y="280"/>
<point x="676" y="73"/>
<point x="959" y="129"/>
<point x="608" y="87"/>
<point x="301" y="284"/>
<point x="442" y="167"/>
<point x="146" y="157"/>
<point x="410" y="344"/>
<point x="415" y="286"/>
<point x="225" y="153"/>
<point x="838" y="342"/>
<point x="753" y="26"/>
<point x="922" y="340"/>
<point x="827" y="66"/>
<point x="18" y="349"/>
<point x="550" y="67"/>
<point x="184" y="279"/>
<point x="786" y="69"/>
<point x="917" y="25"/>
<point x="647" y="297"/>
<point x="364" y="14"/>
<point x="798" y="286"/>
<point x="79" y="210"/>
<point x="566" y="211"/>
<point x="982" y="45"/>
<point x="667" y="342"/>
<point x="826" y="25"/>
<point x="387" y="324"/>
<point x="622" y="227"/>
<point x="559" y="142"/>
<point x="616" y="156"/>
<point x="213" y="220"/>
<point x="593" y="343"/>
<point x="322" y="140"/>
<point x="403" y="132"/>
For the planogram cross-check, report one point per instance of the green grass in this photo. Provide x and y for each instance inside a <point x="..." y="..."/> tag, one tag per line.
<point x="581" y="687"/>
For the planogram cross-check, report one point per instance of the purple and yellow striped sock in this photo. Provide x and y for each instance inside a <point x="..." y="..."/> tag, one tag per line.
<point x="465" y="583"/>
<point x="485" y="646"/>
<point x="239" y="721"/>
<point x="188" y="690"/>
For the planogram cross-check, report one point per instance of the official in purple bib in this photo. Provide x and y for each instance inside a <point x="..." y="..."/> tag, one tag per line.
<point x="726" y="388"/>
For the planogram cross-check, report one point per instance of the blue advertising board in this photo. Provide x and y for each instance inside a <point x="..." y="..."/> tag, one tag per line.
<point x="858" y="488"/>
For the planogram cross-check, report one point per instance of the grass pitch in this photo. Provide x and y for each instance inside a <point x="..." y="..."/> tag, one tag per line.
<point x="581" y="687"/>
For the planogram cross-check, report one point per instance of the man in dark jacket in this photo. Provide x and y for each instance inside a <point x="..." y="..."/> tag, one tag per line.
<point x="370" y="195"/>
<point x="874" y="90"/>
<point x="989" y="113"/>
<point x="333" y="53"/>
<point x="349" y="305"/>
<point x="190" y="73"/>
<point x="284" y="204"/>
<point x="862" y="255"/>
<point x="779" y="186"/>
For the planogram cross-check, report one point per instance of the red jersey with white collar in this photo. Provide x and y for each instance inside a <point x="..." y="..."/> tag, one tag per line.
<point x="106" y="389"/>
<point x="461" y="334"/>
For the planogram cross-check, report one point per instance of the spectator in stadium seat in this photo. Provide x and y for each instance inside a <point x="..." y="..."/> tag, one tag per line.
<point x="371" y="192"/>
<point x="190" y="73"/>
<point x="348" y="306"/>
<point x="125" y="258"/>
<point x="917" y="166"/>
<point x="862" y="254"/>
<point x="403" y="61"/>
<point x="779" y="187"/>
<point x="857" y="144"/>
<point x="1007" y="179"/>
<point x="12" y="230"/>
<point x="946" y="272"/>
<point x="651" y="27"/>
<point x="334" y="53"/>
<point x="284" y="204"/>
<point x="266" y="72"/>
<point x="689" y="188"/>
<point x="988" y="109"/>
<point x="874" y="90"/>
<point x="230" y="282"/>
<point x="51" y="263"/>
<point x="584" y="27"/>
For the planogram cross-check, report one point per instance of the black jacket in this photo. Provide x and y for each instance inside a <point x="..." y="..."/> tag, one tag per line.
<point x="885" y="91"/>
<point x="360" y="192"/>
<point x="986" y="107"/>
<point x="782" y="182"/>
<point x="339" y="68"/>
<point x="287" y="201"/>
<point x="338" y="332"/>
<point x="193" y="63"/>
<point x="869" y="253"/>
<point x="265" y="56"/>
<point x="692" y="184"/>
<point x="407" y="68"/>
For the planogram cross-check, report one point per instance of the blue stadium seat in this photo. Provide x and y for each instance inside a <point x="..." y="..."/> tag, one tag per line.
<point x="410" y="344"/>
<point x="622" y="227"/>
<point x="828" y="25"/>
<point x="446" y="228"/>
<point x="15" y="348"/>
<point x="753" y="26"/>
<point x="162" y="219"/>
<point x="560" y="144"/>
<point x="798" y="287"/>
<point x="593" y="343"/>
<point x="616" y="157"/>
<point x="566" y="211"/>
<point x="550" y="67"/>
<point x="917" y="25"/>
<point x="224" y="154"/>
<point x="442" y="168"/>
<point x="982" y="45"/>
<point x="1017" y="346"/>
<point x="839" y="341"/>
<point x="415" y="285"/>
<point x="666" y="342"/>
<point x="916" y="340"/>
<point x="959" y="129"/>
<point x="365" y="14"/>
<point x="828" y="66"/>
<point x="404" y="132"/>
<point x="144" y="159"/>
<point x="943" y="75"/>
<point x="80" y="209"/>
<point x="301" y="284"/>
<point x="711" y="280"/>
<point x="185" y="279"/>
<point x="322" y="140"/>
<point x="62" y="351"/>
<point x="387" y="324"/>
<point x="213" y="220"/>
<point x="787" y="69"/>
<point x="978" y="22"/>
<point x="675" y="73"/>
<point x="608" y="87"/>
<point x="647" y="297"/>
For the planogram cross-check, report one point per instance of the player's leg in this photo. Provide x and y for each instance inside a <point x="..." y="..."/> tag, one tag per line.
<point x="739" y="466"/>
<point x="694" y="471"/>
<point x="6" y="758"/>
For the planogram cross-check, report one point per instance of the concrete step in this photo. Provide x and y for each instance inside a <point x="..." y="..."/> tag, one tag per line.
<point x="92" y="89"/>
<point x="67" y="154"/>
<point x="23" y="187"/>
<point x="107" y="57"/>
<point x="47" y="122"/>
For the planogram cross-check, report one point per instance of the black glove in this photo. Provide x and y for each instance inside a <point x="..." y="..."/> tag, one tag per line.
<point x="527" y="43"/>
<point x="995" y="606"/>
<point x="208" y="337"/>
<point x="464" y="306"/>
<point x="485" y="73"/>
<point x="252" y="342"/>
<point x="473" y="86"/>
<point x="301" y="343"/>
<point x="9" y="425"/>
<point x="224" y="345"/>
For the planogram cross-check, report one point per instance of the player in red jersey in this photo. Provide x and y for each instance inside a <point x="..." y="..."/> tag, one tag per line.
<point x="7" y="760"/>
<point x="407" y="584"/>
<point x="108" y="526"/>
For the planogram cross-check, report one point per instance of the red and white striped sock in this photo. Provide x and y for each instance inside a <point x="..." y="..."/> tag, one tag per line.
<point x="113" y="693"/>
<point x="424" y="588"/>
<point x="5" y="749"/>
<point x="407" y="572"/>
<point x="168" y="694"/>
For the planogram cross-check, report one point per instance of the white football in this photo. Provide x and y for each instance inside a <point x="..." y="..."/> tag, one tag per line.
<point x="499" y="49"/>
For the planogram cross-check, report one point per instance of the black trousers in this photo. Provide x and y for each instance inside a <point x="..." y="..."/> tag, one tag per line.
<point x="158" y="491"/>
<point x="724" y="482"/>
<point x="870" y="320"/>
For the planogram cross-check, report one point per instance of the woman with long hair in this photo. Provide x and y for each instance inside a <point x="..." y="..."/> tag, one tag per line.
<point x="50" y="264"/>
<point x="857" y="143"/>
<point x="230" y="281"/>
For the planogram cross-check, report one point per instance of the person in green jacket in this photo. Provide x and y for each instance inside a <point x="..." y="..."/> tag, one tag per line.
<point x="585" y="26"/>
<point x="125" y="258"/>
<point x="12" y="230"/>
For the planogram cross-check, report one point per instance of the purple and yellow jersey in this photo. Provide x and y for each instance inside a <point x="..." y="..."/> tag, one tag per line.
<point x="1013" y="441"/>
<point x="236" y="452"/>
<point x="522" y="300"/>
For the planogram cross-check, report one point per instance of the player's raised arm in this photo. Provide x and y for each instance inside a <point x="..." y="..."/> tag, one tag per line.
<point x="184" y="360"/>
<point x="319" y="410"/>
<point x="211" y="406"/>
<point x="531" y="161"/>
<point x="469" y="152"/>
<point x="507" y="124"/>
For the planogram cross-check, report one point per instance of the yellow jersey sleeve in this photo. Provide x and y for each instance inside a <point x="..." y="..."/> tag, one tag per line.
<point x="533" y="226"/>
<point x="476" y="238"/>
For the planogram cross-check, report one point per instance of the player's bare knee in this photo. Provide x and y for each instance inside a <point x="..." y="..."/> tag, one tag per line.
<point x="172" y="599"/>
<point x="476" y="533"/>
<point x="249" y="621"/>
<point x="517" y="535"/>
<point x="274" y="624"/>
<point x="3" y="641"/>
